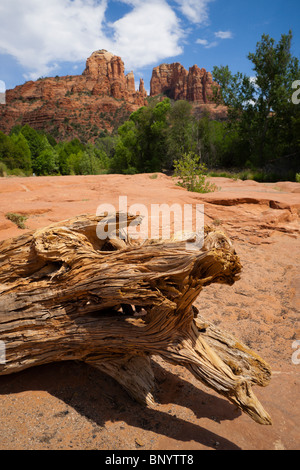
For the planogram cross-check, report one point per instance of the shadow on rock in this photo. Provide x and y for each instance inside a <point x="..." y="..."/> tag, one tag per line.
<point x="100" y="399"/>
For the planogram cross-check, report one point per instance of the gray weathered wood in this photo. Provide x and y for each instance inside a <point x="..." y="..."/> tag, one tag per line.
<point x="66" y="295"/>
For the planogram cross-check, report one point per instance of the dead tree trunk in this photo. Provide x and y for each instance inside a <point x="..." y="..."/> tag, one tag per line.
<point x="66" y="295"/>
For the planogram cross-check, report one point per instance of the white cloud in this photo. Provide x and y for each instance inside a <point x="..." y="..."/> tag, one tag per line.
<point x="41" y="34"/>
<point x="147" y="34"/>
<point x="219" y="34"/>
<point x="195" y="11"/>
<point x="224" y="34"/>
<point x="211" y="44"/>
<point x="205" y="43"/>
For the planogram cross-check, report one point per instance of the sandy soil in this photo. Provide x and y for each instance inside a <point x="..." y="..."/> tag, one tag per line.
<point x="70" y="405"/>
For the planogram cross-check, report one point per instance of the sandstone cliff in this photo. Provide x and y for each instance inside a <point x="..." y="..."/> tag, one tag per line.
<point x="173" y="80"/>
<point x="102" y="98"/>
<point x="195" y="86"/>
<point x="76" y="106"/>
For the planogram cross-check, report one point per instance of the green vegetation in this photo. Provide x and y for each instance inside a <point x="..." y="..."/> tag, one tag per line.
<point x="26" y="151"/>
<point x="190" y="172"/>
<point x="17" y="219"/>
<point x="263" y="120"/>
<point x="259" y="140"/>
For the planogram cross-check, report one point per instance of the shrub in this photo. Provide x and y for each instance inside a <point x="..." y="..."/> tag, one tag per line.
<point x="3" y="169"/>
<point x="190" y="172"/>
<point x="17" y="219"/>
<point x="19" y="172"/>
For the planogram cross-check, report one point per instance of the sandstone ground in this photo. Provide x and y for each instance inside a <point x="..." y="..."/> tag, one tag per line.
<point x="72" y="406"/>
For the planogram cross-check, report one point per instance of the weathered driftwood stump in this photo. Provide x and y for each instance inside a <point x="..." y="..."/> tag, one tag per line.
<point x="66" y="295"/>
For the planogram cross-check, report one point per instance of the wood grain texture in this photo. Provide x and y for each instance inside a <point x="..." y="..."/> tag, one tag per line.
<point x="67" y="295"/>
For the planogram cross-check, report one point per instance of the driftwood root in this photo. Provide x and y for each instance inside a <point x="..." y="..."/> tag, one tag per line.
<point x="114" y="303"/>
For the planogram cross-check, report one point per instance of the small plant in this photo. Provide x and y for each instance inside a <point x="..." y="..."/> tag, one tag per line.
<point x="17" y="219"/>
<point x="153" y="177"/>
<point x="191" y="174"/>
<point x="3" y="169"/>
<point x="217" y="222"/>
<point x="298" y="177"/>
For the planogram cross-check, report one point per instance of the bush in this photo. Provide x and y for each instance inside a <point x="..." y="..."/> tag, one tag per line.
<point x="3" y="169"/>
<point x="191" y="174"/>
<point x="46" y="162"/>
<point x="17" y="219"/>
<point x="18" y="172"/>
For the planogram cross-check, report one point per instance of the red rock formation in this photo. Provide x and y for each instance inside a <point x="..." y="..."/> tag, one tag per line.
<point x="195" y="86"/>
<point x="142" y="90"/>
<point x="76" y="106"/>
<point x="169" y="79"/>
<point x="176" y="82"/>
<point x="101" y="98"/>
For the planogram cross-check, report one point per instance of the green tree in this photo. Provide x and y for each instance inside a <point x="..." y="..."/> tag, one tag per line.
<point x="125" y="159"/>
<point x="151" y="127"/>
<point x="72" y="164"/>
<point x="64" y="150"/>
<point x="260" y="108"/>
<point x="36" y="141"/>
<point x="98" y="158"/>
<point x="22" y="154"/>
<point x="15" y="152"/>
<point x="86" y="163"/>
<point x="49" y="157"/>
<point x="7" y="151"/>
<point x="182" y="131"/>
<point x="107" y="144"/>
<point x="142" y="141"/>
<point x="46" y="163"/>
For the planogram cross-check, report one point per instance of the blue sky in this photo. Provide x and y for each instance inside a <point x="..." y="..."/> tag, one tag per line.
<point x="55" y="37"/>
